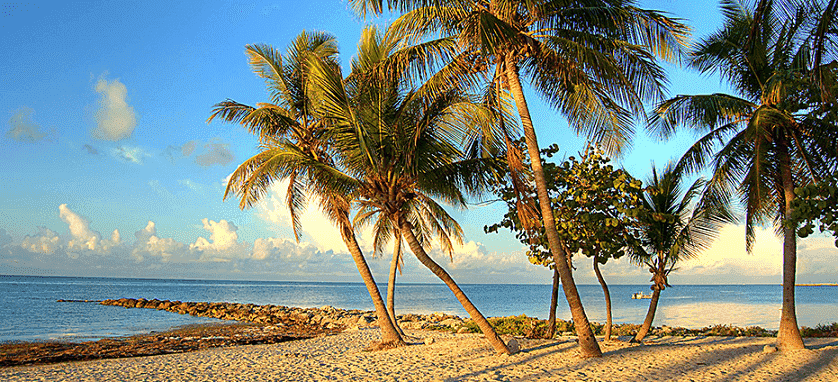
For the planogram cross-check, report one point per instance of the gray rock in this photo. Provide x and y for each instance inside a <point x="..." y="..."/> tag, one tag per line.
<point x="513" y="345"/>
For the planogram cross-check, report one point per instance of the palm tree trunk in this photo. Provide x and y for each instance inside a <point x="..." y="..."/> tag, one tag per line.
<point x="587" y="341"/>
<point x="389" y="334"/>
<point x="650" y="315"/>
<point x="607" y="299"/>
<point x="554" y="303"/>
<point x="788" y="337"/>
<point x="475" y="314"/>
<point x="391" y="282"/>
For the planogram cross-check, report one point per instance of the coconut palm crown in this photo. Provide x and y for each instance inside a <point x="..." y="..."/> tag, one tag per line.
<point x="776" y="133"/>
<point x="592" y="60"/>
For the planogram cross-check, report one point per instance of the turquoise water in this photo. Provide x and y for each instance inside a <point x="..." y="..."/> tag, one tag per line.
<point x="29" y="311"/>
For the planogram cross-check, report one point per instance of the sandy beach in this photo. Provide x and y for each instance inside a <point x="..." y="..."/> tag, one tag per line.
<point x="462" y="357"/>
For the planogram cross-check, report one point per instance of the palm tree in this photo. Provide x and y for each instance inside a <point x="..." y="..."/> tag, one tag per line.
<point x="671" y="232"/>
<point x="294" y="147"/>
<point x="769" y="138"/>
<point x="592" y="60"/>
<point x="399" y="150"/>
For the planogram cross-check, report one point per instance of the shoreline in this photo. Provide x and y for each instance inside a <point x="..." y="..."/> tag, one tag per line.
<point x="251" y="324"/>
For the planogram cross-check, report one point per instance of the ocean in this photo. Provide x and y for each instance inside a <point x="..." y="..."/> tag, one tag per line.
<point x="29" y="311"/>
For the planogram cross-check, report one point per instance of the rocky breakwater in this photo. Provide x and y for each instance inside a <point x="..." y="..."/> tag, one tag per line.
<point x="326" y="317"/>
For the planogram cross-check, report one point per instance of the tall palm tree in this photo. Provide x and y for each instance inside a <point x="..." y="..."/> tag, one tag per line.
<point x="673" y="230"/>
<point x="399" y="151"/>
<point x="593" y="60"/>
<point x="294" y="146"/>
<point x="768" y="138"/>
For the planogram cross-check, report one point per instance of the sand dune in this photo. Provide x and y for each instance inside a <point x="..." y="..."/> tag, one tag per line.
<point x="464" y="357"/>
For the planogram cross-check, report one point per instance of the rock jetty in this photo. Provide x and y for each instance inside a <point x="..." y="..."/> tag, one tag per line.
<point x="327" y="317"/>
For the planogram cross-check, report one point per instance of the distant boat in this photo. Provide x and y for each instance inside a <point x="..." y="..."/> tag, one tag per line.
<point x="640" y="295"/>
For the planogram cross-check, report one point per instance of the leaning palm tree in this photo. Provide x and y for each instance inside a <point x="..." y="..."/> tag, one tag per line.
<point x="399" y="151"/>
<point x="768" y="138"/>
<point x="592" y="60"/>
<point x="294" y="147"/>
<point x="673" y="228"/>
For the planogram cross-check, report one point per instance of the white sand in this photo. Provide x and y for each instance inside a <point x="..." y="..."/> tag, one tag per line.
<point x="463" y="358"/>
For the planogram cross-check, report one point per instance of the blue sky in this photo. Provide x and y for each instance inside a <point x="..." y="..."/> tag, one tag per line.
<point x="112" y="170"/>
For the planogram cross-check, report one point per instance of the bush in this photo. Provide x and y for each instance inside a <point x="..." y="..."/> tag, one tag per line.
<point x="822" y="330"/>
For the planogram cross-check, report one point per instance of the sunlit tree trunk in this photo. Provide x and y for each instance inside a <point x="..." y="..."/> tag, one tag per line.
<point x="587" y="342"/>
<point x="650" y="315"/>
<point x="607" y="299"/>
<point x="554" y="304"/>
<point x="788" y="337"/>
<point x="482" y="323"/>
<point x="391" y="282"/>
<point x="389" y="333"/>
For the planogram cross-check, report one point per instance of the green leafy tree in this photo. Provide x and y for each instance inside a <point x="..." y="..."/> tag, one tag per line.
<point x="816" y="205"/>
<point x="595" y="208"/>
<point x="593" y="60"/>
<point x="675" y="225"/>
<point x="778" y="132"/>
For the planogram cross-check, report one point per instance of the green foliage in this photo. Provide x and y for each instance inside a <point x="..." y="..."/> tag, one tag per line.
<point x="534" y="328"/>
<point x="816" y="205"/>
<point x="595" y="207"/>
<point x="822" y="330"/>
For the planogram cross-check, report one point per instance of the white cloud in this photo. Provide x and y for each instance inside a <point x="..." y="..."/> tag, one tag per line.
<point x="82" y="238"/>
<point x="148" y="244"/>
<point x="24" y="128"/>
<point x="215" y="153"/>
<point x="316" y="227"/>
<point x="130" y="154"/>
<point x="115" y="119"/>
<point x="46" y="241"/>
<point x="223" y="243"/>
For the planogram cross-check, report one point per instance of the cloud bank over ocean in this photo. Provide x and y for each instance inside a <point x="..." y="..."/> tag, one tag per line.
<point x="79" y="250"/>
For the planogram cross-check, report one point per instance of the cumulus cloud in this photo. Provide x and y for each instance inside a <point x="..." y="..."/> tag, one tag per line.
<point x="223" y="242"/>
<point x="24" y="128"/>
<point x="115" y="119"/>
<point x="82" y="238"/>
<point x="215" y="153"/>
<point x="148" y="244"/>
<point x="46" y="241"/>
<point x="318" y="229"/>
<point x="130" y="154"/>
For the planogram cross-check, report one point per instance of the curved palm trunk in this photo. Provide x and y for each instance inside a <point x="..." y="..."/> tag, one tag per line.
<point x="389" y="334"/>
<point x="554" y="303"/>
<point x="391" y="282"/>
<point x="587" y="341"/>
<point x="607" y="299"/>
<point x="788" y="337"/>
<point x="475" y="314"/>
<point x="650" y="316"/>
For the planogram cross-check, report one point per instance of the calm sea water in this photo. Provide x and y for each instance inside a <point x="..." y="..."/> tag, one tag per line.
<point x="29" y="311"/>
